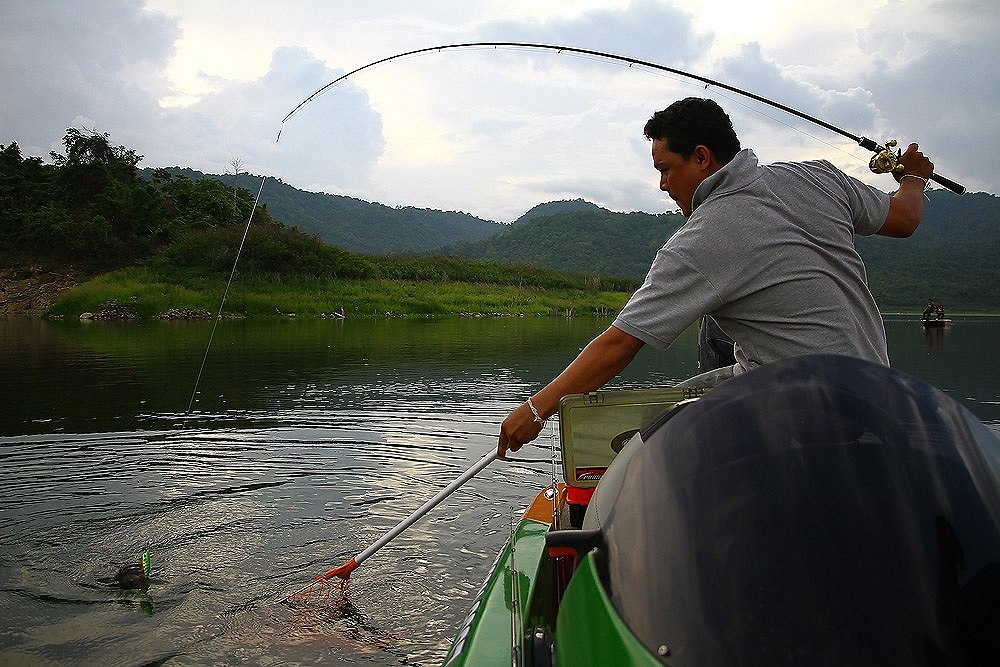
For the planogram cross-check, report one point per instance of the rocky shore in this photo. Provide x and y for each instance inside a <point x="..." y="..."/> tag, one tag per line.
<point x="31" y="290"/>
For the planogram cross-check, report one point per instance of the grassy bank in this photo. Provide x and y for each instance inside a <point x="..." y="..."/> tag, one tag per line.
<point x="144" y="292"/>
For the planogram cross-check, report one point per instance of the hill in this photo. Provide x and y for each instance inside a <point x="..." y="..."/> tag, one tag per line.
<point x="557" y="207"/>
<point x="596" y="241"/>
<point x="354" y="224"/>
<point x="951" y="258"/>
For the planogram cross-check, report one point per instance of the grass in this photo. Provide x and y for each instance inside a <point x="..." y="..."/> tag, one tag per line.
<point x="147" y="293"/>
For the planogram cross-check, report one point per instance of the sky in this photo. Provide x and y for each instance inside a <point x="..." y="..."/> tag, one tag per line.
<point x="492" y="132"/>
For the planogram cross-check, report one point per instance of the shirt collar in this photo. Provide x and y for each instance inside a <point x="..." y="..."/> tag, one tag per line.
<point x="735" y="174"/>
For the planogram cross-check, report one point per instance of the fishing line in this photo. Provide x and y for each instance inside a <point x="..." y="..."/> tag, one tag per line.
<point x="225" y="294"/>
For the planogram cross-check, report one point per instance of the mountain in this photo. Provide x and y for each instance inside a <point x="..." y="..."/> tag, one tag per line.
<point x="594" y="240"/>
<point x="951" y="258"/>
<point x="354" y="224"/>
<point x="556" y="207"/>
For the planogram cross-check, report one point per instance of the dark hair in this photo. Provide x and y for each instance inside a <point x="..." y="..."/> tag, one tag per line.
<point x="691" y="122"/>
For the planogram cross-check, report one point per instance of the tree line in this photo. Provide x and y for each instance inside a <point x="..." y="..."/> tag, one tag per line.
<point x="89" y="208"/>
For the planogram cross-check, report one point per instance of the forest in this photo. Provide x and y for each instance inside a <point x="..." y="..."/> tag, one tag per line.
<point x="88" y="211"/>
<point x="951" y="257"/>
<point x="93" y="209"/>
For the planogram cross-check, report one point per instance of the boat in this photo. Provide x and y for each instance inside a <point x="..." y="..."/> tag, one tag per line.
<point x="936" y="323"/>
<point x="820" y="510"/>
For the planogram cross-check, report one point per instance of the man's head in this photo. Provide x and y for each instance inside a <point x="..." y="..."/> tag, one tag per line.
<point x="692" y="139"/>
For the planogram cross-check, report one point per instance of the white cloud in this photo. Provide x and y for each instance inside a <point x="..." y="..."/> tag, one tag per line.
<point x="58" y="62"/>
<point x="496" y="132"/>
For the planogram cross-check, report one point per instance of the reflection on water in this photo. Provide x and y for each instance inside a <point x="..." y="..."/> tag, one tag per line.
<point x="308" y="441"/>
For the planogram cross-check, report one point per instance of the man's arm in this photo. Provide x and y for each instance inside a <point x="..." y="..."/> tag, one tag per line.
<point x="906" y="206"/>
<point x="603" y="358"/>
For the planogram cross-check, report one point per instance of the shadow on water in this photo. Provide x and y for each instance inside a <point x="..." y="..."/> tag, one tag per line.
<point x="309" y="440"/>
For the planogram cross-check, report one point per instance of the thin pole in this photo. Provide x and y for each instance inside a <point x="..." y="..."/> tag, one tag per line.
<point x="218" y="315"/>
<point x="344" y="571"/>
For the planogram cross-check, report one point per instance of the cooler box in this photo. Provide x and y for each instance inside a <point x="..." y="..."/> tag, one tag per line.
<point x="593" y="427"/>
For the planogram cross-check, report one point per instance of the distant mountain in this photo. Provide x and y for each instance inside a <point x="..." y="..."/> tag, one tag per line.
<point x="594" y="240"/>
<point x="557" y="207"/>
<point x="354" y="224"/>
<point x="951" y="258"/>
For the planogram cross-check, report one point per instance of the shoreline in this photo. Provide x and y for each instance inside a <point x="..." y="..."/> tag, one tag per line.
<point x="31" y="290"/>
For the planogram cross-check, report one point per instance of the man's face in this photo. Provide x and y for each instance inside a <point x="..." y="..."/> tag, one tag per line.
<point x="679" y="176"/>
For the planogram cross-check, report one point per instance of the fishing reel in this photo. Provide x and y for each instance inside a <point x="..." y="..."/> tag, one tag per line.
<point x="885" y="161"/>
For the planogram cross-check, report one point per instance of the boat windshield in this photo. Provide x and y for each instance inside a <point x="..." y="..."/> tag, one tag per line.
<point x="817" y="511"/>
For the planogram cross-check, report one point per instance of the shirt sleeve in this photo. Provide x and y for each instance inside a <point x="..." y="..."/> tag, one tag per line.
<point x="673" y="295"/>
<point x="869" y="206"/>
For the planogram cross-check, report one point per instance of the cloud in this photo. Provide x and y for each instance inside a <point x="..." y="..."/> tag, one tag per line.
<point x="491" y="132"/>
<point x="102" y="61"/>
<point x="341" y="134"/>
<point x="646" y="30"/>
<point x="934" y="79"/>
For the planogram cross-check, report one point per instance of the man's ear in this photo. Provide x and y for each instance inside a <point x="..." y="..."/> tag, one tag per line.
<point x="705" y="159"/>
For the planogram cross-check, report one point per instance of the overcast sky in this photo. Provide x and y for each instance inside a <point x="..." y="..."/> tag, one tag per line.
<point x="201" y="83"/>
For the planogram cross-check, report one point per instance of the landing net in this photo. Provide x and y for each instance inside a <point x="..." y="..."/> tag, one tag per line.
<point x="322" y="591"/>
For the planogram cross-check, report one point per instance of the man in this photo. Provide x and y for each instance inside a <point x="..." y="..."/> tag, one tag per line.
<point x="768" y="251"/>
<point x="929" y="310"/>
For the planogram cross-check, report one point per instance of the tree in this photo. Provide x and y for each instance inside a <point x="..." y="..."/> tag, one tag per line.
<point x="237" y="165"/>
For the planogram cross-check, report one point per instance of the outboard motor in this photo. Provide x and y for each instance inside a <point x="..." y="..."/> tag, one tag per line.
<point x="821" y="510"/>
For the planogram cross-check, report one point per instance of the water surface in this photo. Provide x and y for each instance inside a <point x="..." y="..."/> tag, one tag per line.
<point x="307" y="440"/>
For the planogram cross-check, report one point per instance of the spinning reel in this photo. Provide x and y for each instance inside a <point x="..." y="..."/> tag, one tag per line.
<point x="885" y="161"/>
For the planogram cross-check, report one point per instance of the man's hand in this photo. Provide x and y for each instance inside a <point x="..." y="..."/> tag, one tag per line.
<point x="517" y="429"/>
<point x="906" y="207"/>
<point x="602" y="359"/>
<point x="915" y="163"/>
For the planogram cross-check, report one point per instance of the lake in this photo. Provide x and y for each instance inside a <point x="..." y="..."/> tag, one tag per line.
<point x="306" y="441"/>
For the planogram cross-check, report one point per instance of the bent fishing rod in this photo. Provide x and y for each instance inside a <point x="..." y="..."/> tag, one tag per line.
<point x="884" y="160"/>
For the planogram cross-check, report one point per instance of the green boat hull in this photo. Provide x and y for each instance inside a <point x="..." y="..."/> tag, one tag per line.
<point x="523" y="616"/>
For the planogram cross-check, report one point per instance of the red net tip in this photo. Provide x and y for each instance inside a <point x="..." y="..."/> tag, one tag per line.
<point x="343" y="571"/>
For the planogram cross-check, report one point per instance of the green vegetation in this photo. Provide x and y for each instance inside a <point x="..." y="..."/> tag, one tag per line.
<point x="142" y="293"/>
<point x="158" y="240"/>
<point x="169" y="243"/>
<point x="89" y="208"/>
<point x="606" y="242"/>
<point x="353" y="224"/>
<point x="951" y="258"/>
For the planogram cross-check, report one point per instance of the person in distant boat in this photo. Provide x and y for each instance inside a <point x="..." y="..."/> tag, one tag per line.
<point x="929" y="310"/>
<point x="939" y="311"/>
<point x="767" y="251"/>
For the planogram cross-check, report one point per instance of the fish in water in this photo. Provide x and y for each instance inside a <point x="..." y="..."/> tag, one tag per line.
<point x="135" y="575"/>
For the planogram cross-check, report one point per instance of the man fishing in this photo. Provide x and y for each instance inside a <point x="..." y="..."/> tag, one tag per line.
<point x="767" y="250"/>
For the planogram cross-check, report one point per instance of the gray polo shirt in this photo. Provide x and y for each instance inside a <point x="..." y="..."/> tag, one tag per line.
<point x="769" y="252"/>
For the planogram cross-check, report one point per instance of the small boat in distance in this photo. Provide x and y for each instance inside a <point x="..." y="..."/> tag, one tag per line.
<point x="934" y="315"/>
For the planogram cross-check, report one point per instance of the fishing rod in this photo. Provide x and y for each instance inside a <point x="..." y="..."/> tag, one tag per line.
<point x="344" y="571"/>
<point x="884" y="160"/>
